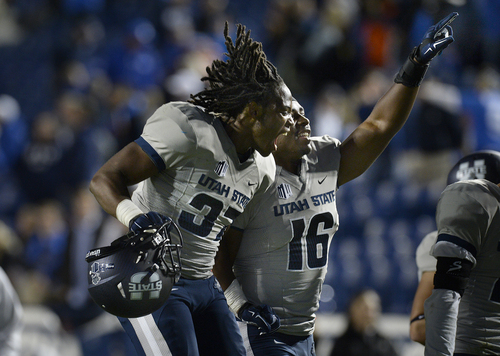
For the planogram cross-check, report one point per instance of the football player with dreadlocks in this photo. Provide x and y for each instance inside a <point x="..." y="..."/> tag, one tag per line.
<point x="199" y="163"/>
<point x="273" y="260"/>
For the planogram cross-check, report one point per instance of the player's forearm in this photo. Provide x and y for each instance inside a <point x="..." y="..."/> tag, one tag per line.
<point x="392" y="110"/>
<point x="223" y="267"/>
<point x="441" y="310"/>
<point x="372" y="136"/>
<point x="224" y="275"/>
<point x="226" y="255"/>
<point x="108" y="192"/>
<point x="417" y="331"/>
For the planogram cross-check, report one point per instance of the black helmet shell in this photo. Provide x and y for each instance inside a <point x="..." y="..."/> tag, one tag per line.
<point x="134" y="276"/>
<point x="478" y="165"/>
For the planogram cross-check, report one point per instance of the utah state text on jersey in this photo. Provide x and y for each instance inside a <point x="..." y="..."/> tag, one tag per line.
<point x="300" y="205"/>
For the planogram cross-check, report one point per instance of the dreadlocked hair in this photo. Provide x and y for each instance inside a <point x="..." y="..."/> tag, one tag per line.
<point x="246" y="76"/>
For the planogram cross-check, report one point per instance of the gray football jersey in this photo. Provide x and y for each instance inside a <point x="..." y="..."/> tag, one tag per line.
<point x="283" y="257"/>
<point x="468" y="219"/>
<point x="11" y="312"/>
<point x="201" y="185"/>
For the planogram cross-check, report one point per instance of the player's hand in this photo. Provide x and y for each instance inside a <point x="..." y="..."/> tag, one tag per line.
<point x="261" y="316"/>
<point x="144" y="221"/>
<point x="436" y="39"/>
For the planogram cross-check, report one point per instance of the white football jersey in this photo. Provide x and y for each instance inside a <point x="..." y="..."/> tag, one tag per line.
<point x="468" y="219"/>
<point x="425" y="261"/>
<point x="283" y="257"/>
<point x="202" y="185"/>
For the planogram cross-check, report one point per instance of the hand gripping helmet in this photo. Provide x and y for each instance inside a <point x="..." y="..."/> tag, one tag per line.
<point x="133" y="276"/>
<point x="477" y="165"/>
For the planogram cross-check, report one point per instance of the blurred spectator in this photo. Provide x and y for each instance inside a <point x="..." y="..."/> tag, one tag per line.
<point x="481" y="105"/>
<point x="11" y="246"/>
<point x="331" y="43"/>
<point x="45" y="247"/>
<point x="10" y="31"/>
<point x="289" y="42"/>
<point x="80" y="132"/>
<point x="62" y="153"/>
<point x="434" y="135"/>
<point x="489" y="11"/>
<point x="362" y="337"/>
<point x="40" y="170"/>
<point x="88" y="227"/>
<point x="136" y="60"/>
<point x="377" y="33"/>
<point x="13" y="137"/>
<point x="44" y="232"/>
<point x="190" y="68"/>
<point x="178" y="34"/>
<point x="334" y="113"/>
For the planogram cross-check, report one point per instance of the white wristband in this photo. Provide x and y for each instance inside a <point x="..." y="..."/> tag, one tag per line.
<point x="235" y="296"/>
<point x="126" y="210"/>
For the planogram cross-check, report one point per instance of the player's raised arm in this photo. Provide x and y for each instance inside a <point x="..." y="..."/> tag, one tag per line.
<point x="390" y="113"/>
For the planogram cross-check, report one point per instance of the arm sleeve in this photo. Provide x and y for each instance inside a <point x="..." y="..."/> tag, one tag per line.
<point x="463" y="215"/>
<point x="441" y="310"/>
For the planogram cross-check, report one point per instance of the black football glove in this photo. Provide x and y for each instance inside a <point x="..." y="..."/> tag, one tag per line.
<point x="261" y="316"/>
<point x="144" y="221"/>
<point x="436" y="39"/>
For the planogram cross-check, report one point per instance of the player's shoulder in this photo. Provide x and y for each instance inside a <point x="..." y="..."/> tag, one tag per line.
<point x="266" y="166"/>
<point x="321" y="142"/>
<point x="470" y="195"/>
<point x="473" y="188"/>
<point x="192" y="120"/>
<point x="325" y="153"/>
<point x="183" y="111"/>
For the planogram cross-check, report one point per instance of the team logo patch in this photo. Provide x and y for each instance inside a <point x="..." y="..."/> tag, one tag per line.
<point x="477" y="171"/>
<point x="284" y="191"/>
<point x="139" y="286"/>
<point x="97" y="268"/>
<point x="221" y="168"/>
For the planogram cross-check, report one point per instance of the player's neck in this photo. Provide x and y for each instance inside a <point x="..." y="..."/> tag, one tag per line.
<point x="292" y="166"/>
<point x="238" y="135"/>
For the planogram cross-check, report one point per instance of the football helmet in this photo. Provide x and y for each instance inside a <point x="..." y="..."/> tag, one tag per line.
<point x="477" y="165"/>
<point x="134" y="276"/>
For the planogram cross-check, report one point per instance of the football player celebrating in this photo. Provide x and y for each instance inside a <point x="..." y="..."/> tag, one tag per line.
<point x="462" y="315"/>
<point x="200" y="163"/>
<point x="272" y="261"/>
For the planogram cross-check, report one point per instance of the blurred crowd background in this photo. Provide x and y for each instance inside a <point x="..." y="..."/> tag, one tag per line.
<point x="78" y="79"/>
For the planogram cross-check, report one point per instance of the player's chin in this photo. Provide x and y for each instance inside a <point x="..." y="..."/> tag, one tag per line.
<point x="304" y="140"/>
<point x="266" y="151"/>
<point x="305" y="146"/>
